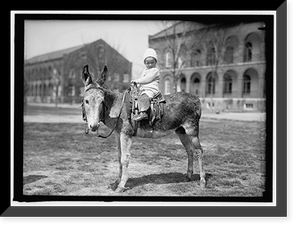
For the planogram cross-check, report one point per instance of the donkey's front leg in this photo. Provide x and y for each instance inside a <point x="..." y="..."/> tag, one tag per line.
<point x="114" y="185"/>
<point x="125" y="141"/>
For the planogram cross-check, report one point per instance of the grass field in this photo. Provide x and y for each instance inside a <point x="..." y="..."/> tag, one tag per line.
<point x="59" y="159"/>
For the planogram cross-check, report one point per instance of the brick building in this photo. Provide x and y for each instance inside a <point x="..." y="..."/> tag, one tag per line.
<point x="225" y="67"/>
<point x="56" y="76"/>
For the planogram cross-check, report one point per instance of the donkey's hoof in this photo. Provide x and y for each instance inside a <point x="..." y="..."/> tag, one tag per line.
<point x="113" y="186"/>
<point x="202" y="183"/>
<point x="121" y="189"/>
<point x="187" y="178"/>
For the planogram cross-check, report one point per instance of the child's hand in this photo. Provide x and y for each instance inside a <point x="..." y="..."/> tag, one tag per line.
<point x="133" y="83"/>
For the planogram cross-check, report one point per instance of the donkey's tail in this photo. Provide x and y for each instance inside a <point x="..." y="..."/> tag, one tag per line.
<point x="199" y="111"/>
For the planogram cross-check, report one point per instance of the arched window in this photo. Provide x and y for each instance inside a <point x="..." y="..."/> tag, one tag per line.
<point x="248" y="52"/>
<point x="195" y="84"/>
<point x="251" y="87"/>
<point x="253" y="49"/>
<point x="229" y="54"/>
<point x="168" y="59"/>
<point x="211" y="84"/>
<point x="232" y="46"/>
<point x="211" y="56"/>
<point x="227" y="84"/>
<point x="195" y="58"/>
<point x="167" y="86"/>
<point x="182" y="84"/>
<point x="247" y="84"/>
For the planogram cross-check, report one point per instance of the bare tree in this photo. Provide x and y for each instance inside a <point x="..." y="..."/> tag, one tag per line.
<point x="218" y="48"/>
<point x="182" y="39"/>
<point x="186" y="39"/>
<point x="56" y="83"/>
<point x="215" y="43"/>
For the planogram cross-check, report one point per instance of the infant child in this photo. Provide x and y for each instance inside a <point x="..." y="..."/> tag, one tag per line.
<point x="149" y="83"/>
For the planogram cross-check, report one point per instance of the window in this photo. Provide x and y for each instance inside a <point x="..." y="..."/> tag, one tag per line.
<point x="227" y="84"/>
<point x="100" y="51"/>
<point x="210" y="105"/>
<point x="229" y="54"/>
<point x="82" y="55"/>
<point x="248" y="52"/>
<point x="195" y="58"/>
<point x="247" y="84"/>
<point x="196" y="86"/>
<point x="211" y="56"/>
<point x="116" y="77"/>
<point x="248" y="106"/>
<point x="168" y="59"/>
<point x="182" y="84"/>
<point x="71" y="91"/>
<point x="81" y="89"/>
<point x="125" y="77"/>
<point x="72" y="74"/>
<point x="211" y="84"/>
<point x="167" y="86"/>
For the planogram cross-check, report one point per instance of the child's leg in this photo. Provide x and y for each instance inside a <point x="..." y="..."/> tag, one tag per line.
<point x="143" y="103"/>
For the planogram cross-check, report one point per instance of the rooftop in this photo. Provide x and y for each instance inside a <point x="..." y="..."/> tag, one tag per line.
<point x="52" y="55"/>
<point x="178" y="28"/>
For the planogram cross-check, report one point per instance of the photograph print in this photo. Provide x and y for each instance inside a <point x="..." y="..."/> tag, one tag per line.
<point x="175" y="108"/>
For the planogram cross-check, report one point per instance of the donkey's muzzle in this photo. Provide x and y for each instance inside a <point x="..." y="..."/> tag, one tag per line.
<point x="94" y="127"/>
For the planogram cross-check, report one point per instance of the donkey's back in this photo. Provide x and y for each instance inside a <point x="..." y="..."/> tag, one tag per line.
<point x="180" y="109"/>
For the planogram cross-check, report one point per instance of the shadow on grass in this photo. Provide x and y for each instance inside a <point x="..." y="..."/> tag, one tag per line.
<point x="163" y="178"/>
<point x="32" y="178"/>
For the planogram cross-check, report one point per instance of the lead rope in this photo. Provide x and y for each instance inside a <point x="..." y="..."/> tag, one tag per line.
<point x="123" y="102"/>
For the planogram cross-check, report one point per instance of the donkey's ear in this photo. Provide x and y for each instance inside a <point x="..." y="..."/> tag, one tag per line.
<point x="101" y="80"/>
<point x="86" y="77"/>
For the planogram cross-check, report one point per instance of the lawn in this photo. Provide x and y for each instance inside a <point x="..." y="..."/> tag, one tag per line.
<point x="59" y="159"/>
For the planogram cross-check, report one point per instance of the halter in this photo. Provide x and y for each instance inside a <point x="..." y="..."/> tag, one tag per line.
<point x="104" y="107"/>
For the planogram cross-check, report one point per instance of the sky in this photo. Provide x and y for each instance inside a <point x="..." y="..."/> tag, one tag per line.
<point x="130" y="38"/>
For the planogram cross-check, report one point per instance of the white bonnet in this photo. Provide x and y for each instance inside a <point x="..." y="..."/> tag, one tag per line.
<point x="150" y="53"/>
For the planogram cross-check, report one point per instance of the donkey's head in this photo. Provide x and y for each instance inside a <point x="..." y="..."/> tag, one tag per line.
<point x="93" y="100"/>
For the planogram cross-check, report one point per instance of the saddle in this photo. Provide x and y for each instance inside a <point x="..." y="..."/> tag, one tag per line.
<point x="155" y="112"/>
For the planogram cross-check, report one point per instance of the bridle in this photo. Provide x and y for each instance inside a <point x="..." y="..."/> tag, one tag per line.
<point x="104" y="108"/>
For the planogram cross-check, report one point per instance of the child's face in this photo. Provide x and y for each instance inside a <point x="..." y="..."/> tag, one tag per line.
<point x="150" y="62"/>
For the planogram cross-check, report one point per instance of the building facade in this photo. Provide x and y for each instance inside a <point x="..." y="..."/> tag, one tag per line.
<point x="56" y="76"/>
<point x="225" y="67"/>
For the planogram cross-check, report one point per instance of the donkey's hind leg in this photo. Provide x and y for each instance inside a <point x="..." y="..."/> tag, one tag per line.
<point x="189" y="149"/>
<point x="199" y="153"/>
<point x="193" y="132"/>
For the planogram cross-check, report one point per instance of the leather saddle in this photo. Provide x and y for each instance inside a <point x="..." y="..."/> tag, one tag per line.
<point x="156" y="108"/>
<point x="155" y="112"/>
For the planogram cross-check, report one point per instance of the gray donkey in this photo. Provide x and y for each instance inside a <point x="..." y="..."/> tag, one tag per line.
<point x="182" y="112"/>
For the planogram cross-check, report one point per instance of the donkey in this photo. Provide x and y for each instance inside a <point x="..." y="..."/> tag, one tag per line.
<point x="182" y="114"/>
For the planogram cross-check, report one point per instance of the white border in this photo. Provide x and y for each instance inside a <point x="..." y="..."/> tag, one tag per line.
<point x="116" y="203"/>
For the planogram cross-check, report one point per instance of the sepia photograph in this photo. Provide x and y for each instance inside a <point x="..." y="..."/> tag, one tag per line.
<point x="146" y="108"/>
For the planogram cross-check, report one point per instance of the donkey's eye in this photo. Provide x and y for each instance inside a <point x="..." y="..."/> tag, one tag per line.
<point x="86" y="101"/>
